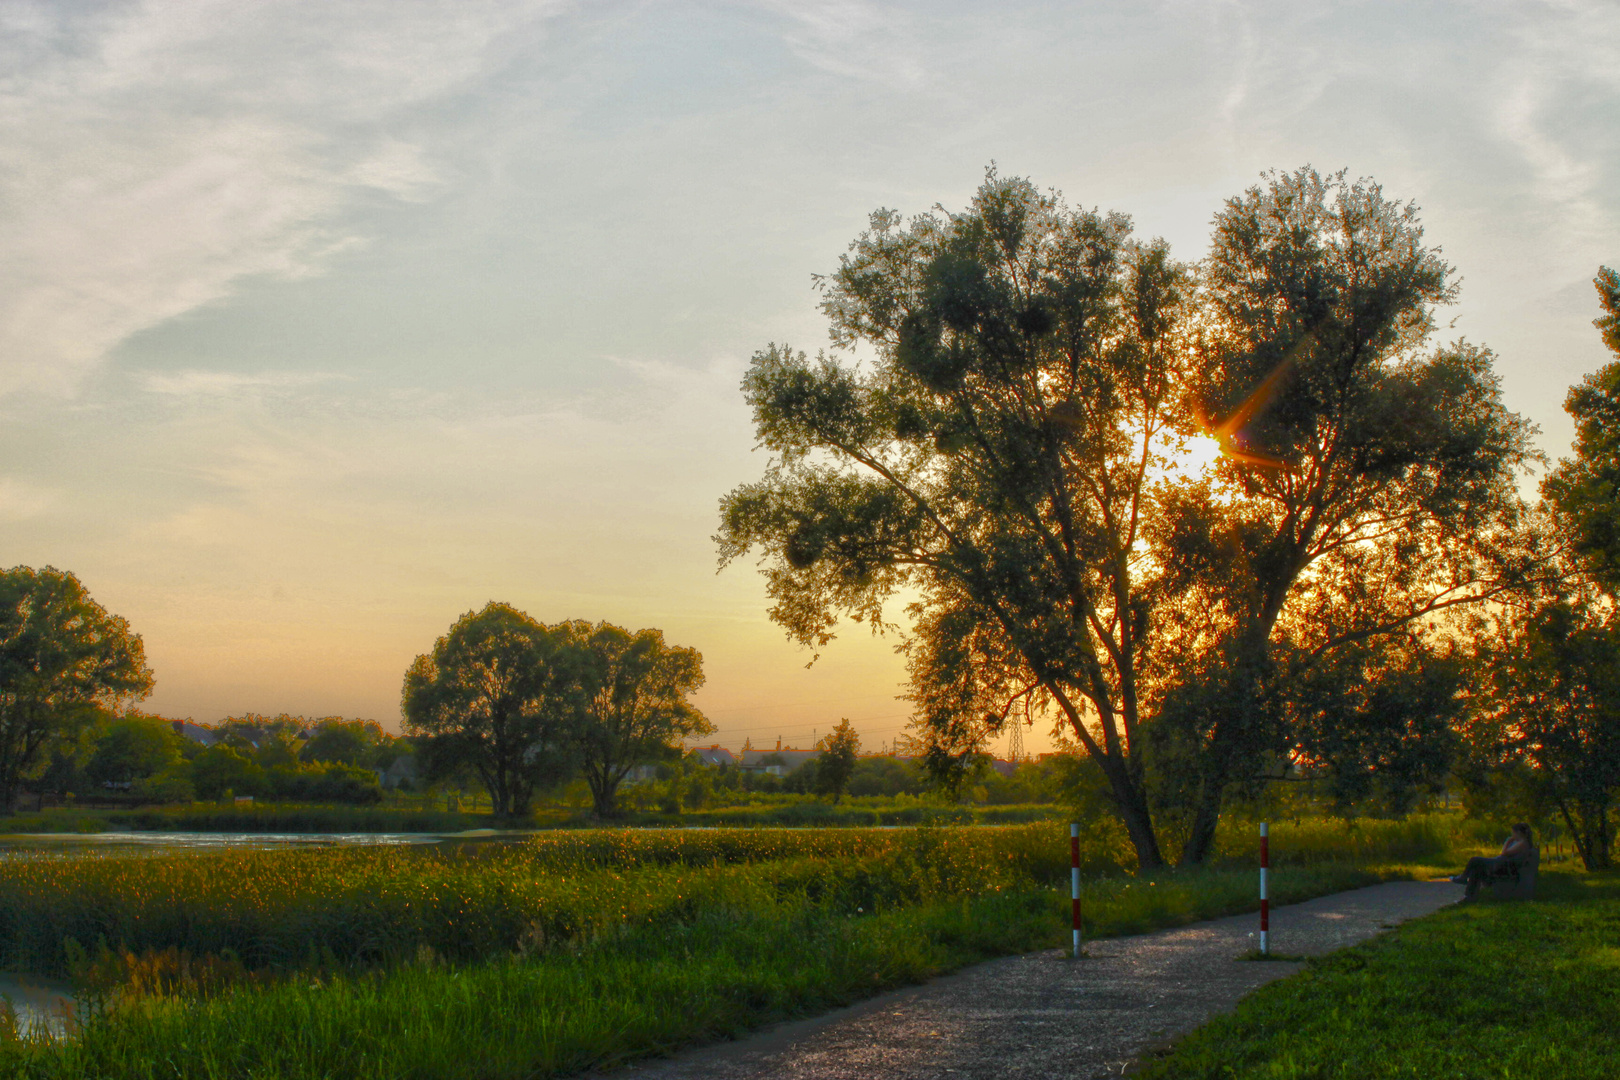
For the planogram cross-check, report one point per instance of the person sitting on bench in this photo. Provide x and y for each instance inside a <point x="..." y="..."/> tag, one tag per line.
<point x="1516" y="851"/>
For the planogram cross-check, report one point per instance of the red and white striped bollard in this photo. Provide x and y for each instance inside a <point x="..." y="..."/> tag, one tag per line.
<point x="1265" y="901"/>
<point x="1074" y="882"/>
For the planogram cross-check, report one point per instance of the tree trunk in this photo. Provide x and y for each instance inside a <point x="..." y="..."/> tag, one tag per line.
<point x="1131" y="801"/>
<point x="500" y="797"/>
<point x="1206" y="821"/>
<point x="1235" y="738"/>
<point x="1597" y="820"/>
<point x="1577" y="835"/>
<point x="603" y="794"/>
<point x="603" y="789"/>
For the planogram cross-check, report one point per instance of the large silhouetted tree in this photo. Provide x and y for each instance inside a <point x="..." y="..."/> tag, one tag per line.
<point x="1370" y="484"/>
<point x="64" y="661"/>
<point x="1009" y="454"/>
<point x="1555" y="704"/>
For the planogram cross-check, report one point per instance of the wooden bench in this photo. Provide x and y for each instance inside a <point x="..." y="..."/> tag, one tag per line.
<point x="1516" y="881"/>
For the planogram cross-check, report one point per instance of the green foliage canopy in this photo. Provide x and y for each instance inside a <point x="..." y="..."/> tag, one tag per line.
<point x="1556" y="707"/>
<point x="635" y="703"/>
<point x="526" y="704"/>
<point x="1011" y="454"/>
<point x="334" y="740"/>
<point x="64" y="661"/>
<point x="500" y="692"/>
<point x="840" y="749"/>
<point x="134" y="748"/>
<point x="1584" y="490"/>
<point x="1556" y="666"/>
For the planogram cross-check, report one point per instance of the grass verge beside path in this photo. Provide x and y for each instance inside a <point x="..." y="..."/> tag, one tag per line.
<point x="1517" y="990"/>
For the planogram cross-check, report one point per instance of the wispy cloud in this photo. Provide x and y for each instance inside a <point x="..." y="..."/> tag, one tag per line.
<point x="219" y="384"/>
<point x="158" y="152"/>
<point x="857" y="39"/>
<point x="20" y="500"/>
<point x="1555" y="108"/>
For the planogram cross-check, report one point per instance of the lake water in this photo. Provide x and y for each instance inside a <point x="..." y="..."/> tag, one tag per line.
<point x="38" y="1002"/>
<point x="175" y="842"/>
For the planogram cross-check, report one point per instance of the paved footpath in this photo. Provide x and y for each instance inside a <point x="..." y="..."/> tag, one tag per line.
<point x="1044" y="1015"/>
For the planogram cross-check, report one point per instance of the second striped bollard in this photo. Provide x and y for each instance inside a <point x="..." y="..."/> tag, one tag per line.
<point x="1265" y="901"/>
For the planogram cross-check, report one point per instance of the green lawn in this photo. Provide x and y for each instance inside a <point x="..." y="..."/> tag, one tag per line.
<point x="1500" y="990"/>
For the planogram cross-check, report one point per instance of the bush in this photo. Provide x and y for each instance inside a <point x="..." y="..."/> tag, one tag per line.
<point x="220" y="769"/>
<point x="336" y="783"/>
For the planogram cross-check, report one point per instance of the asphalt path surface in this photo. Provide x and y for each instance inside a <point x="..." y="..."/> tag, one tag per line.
<point x="1046" y="1015"/>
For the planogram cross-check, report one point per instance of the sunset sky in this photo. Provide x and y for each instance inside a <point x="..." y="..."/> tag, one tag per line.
<point x="322" y="323"/>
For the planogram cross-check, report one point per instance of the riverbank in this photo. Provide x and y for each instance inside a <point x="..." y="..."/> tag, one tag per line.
<point x="422" y="818"/>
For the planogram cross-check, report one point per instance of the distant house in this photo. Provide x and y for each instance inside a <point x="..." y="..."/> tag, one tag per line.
<point x="1005" y="768"/>
<point x="715" y="755"/>
<point x="778" y="762"/>
<point x="402" y="771"/>
<point x="640" y="774"/>
<point x="195" y="732"/>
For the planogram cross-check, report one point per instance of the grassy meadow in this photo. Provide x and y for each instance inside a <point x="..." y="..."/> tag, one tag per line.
<point x="577" y="949"/>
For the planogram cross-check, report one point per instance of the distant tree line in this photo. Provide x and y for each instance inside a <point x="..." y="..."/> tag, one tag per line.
<point x="688" y="783"/>
<point x="145" y="758"/>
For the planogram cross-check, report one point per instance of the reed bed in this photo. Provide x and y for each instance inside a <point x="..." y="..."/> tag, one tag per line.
<point x="372" y="905"/>
<point x="1305" y="841"/>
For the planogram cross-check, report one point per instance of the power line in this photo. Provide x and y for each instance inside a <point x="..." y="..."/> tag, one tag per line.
<point x="790" y="723"/>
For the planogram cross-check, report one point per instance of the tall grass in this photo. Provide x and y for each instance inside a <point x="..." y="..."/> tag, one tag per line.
<point x="370" y="905"/>
<point x="627" y="992"/>
<point x="855" y="813"/>
<point x="572" y="950"/>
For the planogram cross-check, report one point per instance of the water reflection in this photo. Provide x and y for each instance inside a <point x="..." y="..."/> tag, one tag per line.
<point x="38" y="1003"/>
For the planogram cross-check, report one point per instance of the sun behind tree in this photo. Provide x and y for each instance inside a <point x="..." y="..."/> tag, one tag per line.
<point x="1005" y="456"/>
